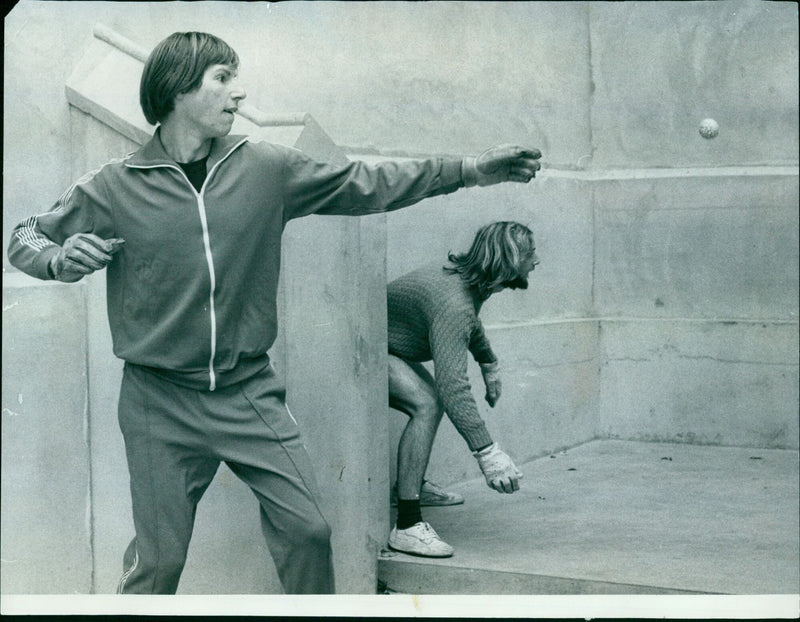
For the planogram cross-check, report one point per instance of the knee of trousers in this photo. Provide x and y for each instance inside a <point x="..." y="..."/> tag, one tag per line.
<point x="313" y="532"/>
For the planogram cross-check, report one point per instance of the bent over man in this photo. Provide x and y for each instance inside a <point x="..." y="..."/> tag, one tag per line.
<point x="433" y="315"/>
<point x="189" y="228"/>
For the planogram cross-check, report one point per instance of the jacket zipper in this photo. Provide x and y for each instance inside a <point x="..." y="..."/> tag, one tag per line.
<point x="201" y="209"/>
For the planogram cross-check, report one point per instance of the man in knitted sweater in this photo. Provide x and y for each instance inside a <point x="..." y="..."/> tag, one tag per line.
<point x="433" y="315"/>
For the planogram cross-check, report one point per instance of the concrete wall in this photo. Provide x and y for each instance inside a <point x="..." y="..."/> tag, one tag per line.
<point x="45" y="453"/>
<point x="680" y="254"/>
<point x="698" y="278"/>
<point x="665" y="306"/>
<point x="688" y="280"/>
<point x="658" y="68"/>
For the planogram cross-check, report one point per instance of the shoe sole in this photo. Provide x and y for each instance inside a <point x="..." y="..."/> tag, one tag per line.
<point x="430" y="504"/>
<point x="433" y="504"/>
<point x="419" y="554"/>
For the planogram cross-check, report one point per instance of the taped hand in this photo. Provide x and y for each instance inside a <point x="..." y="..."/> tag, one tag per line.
<point x="82" y="254"/>
<point x="491" y="378"/>
<point x="499" y="470"/>
<point x="499" y="164"/>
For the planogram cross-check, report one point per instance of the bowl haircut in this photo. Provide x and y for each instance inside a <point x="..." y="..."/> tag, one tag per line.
<point x="176" y="65"/>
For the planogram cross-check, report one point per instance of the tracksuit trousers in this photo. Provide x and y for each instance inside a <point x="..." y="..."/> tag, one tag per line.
<point x="175" y="439"/>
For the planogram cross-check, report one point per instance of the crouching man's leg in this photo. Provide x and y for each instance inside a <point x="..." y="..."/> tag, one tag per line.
<point x="412" y="391"/>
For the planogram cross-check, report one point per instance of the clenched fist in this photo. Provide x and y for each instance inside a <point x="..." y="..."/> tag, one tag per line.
<point x="82" y="254"/>
<point x="500" y="164"/>
<point x="499" y="470"/>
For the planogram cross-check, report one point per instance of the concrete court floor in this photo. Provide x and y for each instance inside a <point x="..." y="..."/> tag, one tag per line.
<point x="620" y="517"/>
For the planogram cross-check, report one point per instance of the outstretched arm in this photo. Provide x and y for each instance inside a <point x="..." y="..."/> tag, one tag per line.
<point x="358" y="188"/>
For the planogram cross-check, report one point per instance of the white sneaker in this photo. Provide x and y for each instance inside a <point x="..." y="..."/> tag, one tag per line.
<point x="430" y="495"/>
<point x="419" y="539"/>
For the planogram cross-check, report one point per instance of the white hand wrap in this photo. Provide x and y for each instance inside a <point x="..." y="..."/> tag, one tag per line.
<point x="499" y="470"/>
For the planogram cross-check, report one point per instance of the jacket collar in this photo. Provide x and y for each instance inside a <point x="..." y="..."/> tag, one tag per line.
<point x="152" y="153"/>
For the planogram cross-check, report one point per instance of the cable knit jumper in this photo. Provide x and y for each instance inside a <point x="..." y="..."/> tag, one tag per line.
<point x="433" y="315"/>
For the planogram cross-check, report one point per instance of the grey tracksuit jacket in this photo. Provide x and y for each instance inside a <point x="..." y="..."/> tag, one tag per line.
<point x="192" y="294"/>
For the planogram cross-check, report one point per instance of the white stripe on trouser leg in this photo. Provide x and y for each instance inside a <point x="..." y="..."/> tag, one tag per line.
<point x="125" y="576"/>
<point x="290" y="414"/>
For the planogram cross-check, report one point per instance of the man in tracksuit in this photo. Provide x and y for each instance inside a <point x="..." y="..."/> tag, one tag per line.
<point x="433" y="316"/>
<point x="189" y="228"/>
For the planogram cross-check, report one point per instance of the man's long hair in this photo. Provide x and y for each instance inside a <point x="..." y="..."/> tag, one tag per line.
<point x="494" y="257"/>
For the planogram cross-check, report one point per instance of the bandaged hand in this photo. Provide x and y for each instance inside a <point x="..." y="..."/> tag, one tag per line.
<point x="499" y="470"/>
<point x="82" y="254"/>
<point x="499" y="164"/>
<point x="491" y="378"/>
